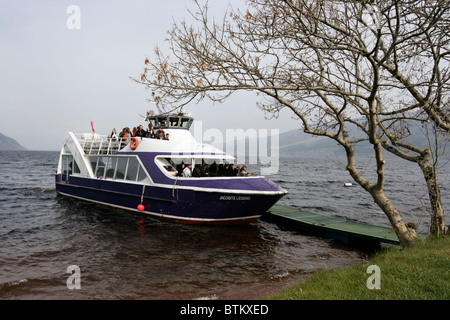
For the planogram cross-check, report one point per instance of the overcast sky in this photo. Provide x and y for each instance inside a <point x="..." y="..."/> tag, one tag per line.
<point x="55" y="79"/>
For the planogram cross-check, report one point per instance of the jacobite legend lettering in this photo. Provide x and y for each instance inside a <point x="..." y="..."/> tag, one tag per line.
<point x="245" y="198"/>
<point x="228" y="309"/>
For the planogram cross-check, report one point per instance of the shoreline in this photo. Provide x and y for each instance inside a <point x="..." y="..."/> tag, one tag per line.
<point x="417" y="273"/>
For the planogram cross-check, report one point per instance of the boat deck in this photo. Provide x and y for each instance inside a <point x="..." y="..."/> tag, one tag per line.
<point x="330" y="227"/>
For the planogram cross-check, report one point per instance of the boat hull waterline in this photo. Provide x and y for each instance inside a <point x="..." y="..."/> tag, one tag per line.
<point x="178" y="205"/>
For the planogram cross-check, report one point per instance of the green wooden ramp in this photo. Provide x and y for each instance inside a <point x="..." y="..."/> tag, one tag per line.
<point x="340" y="229"/>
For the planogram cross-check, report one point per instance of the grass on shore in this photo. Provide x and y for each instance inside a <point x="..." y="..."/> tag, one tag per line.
<point x="421" y="272"/>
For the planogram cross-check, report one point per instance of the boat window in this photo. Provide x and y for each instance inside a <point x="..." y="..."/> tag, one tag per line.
<point x="141" y="174"/>
<point x="133" y="166"/>
<point x="176" y="161"/>
<point x="170" y="169"/>
<point x="67" y="168"/>
<point x="70" y="166"/>
<point x="168" y="165"/>
<point x="170" y="121"/>
<point x="98" y="166"/>
<point x="185" y="123"/>
<point x="121" y="169"/>
<point x="162" y="121"/>
<point x="110" y="167"/>
<point x="174" y="121"/>
<point x="93" y="164"/>
<point x="76" y="169"/>
<point x="117" y="168"/>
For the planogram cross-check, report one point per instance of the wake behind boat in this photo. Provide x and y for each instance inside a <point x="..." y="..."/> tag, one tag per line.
<point x="140" y="174"/>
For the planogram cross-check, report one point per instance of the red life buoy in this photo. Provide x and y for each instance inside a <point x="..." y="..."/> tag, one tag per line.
<point x="134" y="143"/>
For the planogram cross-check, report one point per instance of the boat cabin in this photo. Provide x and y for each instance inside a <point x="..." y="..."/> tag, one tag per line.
<point x="170" y="121"/>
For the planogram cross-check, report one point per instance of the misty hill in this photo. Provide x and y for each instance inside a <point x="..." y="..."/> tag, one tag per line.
<point x="296" y="143"/>
<point x="7" y="143"/>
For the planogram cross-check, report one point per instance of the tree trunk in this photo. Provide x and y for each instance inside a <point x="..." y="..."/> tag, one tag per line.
<point x="405" y="235"/>
<point x="434" y="194"/>
<point x="437" y="211"/>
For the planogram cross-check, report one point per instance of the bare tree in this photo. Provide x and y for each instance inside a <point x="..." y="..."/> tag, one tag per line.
<point x="427" y="157"/>
<point x="334" y="64"/>
<point x="414" y="53"/>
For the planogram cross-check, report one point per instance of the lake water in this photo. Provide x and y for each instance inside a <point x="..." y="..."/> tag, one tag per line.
<point x="128" y="256"/>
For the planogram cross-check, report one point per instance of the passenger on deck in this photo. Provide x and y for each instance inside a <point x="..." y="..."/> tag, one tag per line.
<point x="236" y="170"/>
<point x="180" y="169"/>
<point x="197" y="171"/>
<point x="150" y="132"/>
<point x="230" y="171"/>
<point x="205" y="170"/>
<point x="167" y="137"/>
<point x="226" y="166"/>
<point x="128" y="133"/>
<point x="243" y="171"/>
<point x="213" y="170"/>
<point x="187" y="172"/>
<point x="134" y="131"/>
<point x="160" y="134"/>
<point x="140" y="132"/>
<point x="113" y="134"/>
<point x="124" y="136"/>
<point x="221" y="170"/>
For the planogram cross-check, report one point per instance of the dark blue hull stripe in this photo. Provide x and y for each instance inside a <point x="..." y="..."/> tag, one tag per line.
<point x="171" y="204"/>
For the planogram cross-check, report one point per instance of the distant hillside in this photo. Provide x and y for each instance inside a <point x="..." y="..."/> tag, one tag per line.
<point x="7" y="143"/>
<point x="296" y="143"/>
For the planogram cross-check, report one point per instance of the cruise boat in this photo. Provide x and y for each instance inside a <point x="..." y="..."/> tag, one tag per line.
<point x="140" y="174"/>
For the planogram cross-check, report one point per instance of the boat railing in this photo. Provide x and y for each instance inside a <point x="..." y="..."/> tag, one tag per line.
<point x="95" y="144"/>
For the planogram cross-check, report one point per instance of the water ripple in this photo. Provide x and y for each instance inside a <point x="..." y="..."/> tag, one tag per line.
<point x="127" y="256"/>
